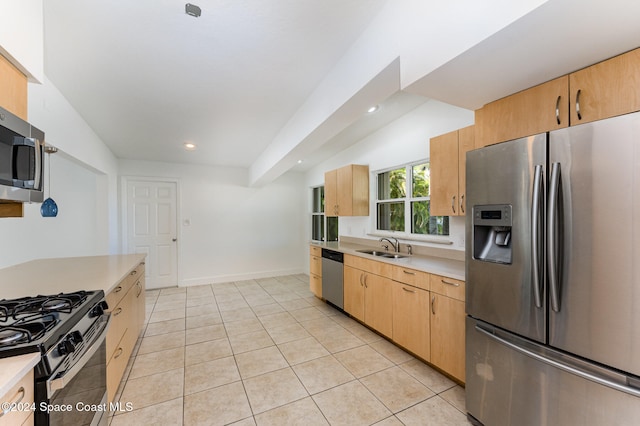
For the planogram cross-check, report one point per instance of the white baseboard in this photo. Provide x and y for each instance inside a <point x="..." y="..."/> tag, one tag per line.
<point x="239" y="277"/>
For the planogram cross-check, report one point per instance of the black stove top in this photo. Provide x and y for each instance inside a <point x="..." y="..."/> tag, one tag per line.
<point x="35" y="324"/>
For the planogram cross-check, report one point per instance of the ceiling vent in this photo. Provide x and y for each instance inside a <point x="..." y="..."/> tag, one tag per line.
<point x="192" y="9"/>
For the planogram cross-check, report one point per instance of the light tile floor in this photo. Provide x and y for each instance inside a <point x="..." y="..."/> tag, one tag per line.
<point x="267" y="352"/>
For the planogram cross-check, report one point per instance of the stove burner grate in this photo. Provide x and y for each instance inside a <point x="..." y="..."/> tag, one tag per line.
<point x="27" y="329"/>
<point x="63" y="302"/>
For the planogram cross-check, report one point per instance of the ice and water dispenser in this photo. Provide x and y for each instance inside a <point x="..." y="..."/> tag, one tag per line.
<point x="492" y="233"/>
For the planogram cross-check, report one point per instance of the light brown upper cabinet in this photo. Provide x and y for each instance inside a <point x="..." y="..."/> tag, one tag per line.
<point x="603" y="90"/>
<point x="13" y="89"/>
<point x="447" y="159"/>
<point x="536" y="110"/>
<point x="606" y="89"/>
<point x="346" y="191"/>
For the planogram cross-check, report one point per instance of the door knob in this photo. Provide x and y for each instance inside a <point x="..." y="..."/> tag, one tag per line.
<point x="174" y="239"/>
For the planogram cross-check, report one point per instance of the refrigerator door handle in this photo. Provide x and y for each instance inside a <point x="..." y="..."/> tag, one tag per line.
<point x="552" y="236"/>
<point x="620" y="384"/>
<point x="535" y="235"/>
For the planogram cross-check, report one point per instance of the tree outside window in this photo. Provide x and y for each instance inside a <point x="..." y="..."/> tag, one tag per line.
<point x="403" y="202"/>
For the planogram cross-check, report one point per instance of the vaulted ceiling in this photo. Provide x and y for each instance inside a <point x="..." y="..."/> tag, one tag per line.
<point x="260" y="84"/>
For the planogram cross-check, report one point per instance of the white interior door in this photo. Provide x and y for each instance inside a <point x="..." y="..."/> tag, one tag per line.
<point x="151" y="229"/>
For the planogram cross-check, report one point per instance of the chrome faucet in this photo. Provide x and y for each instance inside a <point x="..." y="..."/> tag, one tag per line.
<point x="396" y="245"/>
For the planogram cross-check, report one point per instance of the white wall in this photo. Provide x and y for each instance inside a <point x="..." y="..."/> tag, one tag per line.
<point x="84" y="175"/>
<point x="76" y="231"/>
<point x="22" y="36"/>
<point x="402" y="141"/>
<point x="235" y="232"/>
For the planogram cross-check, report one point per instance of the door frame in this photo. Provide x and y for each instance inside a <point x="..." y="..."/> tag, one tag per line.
<point x="124" y="219"/>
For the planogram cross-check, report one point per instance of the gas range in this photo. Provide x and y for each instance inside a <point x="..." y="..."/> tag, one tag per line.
<point x="54" y="325"/>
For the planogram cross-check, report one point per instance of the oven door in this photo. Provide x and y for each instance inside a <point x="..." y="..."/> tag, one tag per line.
<point x="78" y="396"/>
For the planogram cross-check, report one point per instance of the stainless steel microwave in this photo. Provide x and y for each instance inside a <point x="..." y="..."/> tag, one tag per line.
<point x="21" y="159"/>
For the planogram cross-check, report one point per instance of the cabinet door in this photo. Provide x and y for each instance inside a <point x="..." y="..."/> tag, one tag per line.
<point x="315" y="285"/>
<point x="331" y="193"/>
<point x="443" y="153"/>
<point x="378" y="307"/>
<point x="536" y="110"/>
<point x="466" y="142"/>
<point x="411" y="319"/>
<point x="13" y="89"/>
<point x="354" y="292"/>
<point x="606" y="89"/>
<point x="447" y="335"/>
<point x="139" y="288"/>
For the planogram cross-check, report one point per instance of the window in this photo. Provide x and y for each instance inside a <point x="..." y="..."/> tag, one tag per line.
<point x="319" y="222"/>
<point x="402" y="202"/>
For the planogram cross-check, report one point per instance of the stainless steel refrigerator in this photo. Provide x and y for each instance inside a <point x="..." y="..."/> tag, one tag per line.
<point x="553" y="278"/>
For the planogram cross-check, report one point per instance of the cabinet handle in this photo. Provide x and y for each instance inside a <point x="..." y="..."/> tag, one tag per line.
<point x="453" y="203"/>
<point x="134" y="272"/>
<point x="433" y="303"/>
<point x="408" y="272"/>
<point x="361" y="275"/>
<point x="462" y="203"/>
<point x="140" y="288"/>
<point x="578" y="104"/>
<point x="118" y="353"/>
<point x="11" y="405"/>
<point x="365" y="281"/>
<point x="117" y="312"/>
<point x="450" y="283"/>
<point x="558" y="109"/>
<point x="118" y="289"/>
<point x="407" y="290"/>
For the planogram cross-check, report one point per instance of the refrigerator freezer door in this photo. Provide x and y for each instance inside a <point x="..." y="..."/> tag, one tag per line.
<point x="501" y="184"/>
<point x="511" y="381"/>
<point x="596" y="211"/>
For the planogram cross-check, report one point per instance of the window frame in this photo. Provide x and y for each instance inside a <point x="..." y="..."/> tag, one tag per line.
<point x="407" y="201"/>
<point x="325" y="219"/>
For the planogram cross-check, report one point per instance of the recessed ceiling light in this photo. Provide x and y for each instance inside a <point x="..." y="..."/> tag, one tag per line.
<point x="299" y="161"/>
<point x="189" y="146"/>
<point x="373" y="109"/>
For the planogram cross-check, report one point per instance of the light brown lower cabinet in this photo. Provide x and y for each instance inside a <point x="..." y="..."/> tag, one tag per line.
<point x="367" y="297"/>
<point x="22" y="393"/>
<point x="315" y="271"/>
<point x="411" y="319"/>
<point x="127" y="306"/>
<point x="448" y="325"/>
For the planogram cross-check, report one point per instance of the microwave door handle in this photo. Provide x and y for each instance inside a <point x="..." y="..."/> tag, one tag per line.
<point x="38" y="157"/>
<point x="59" y="383"/>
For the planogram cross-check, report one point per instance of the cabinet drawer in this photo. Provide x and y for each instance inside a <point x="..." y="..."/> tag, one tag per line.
<point x="122" y="318"/>
<point x="118" y="293"/>
<point x="315" y="265"/>
<point x="315" y="285"/>
<point x="411" y="276"/>
<point x="315" y="251"/>
<point x="21" y="393"/>
<point x="117" y="364"/>
<point x="448" y="287"/>
<point x="371" y="266"/>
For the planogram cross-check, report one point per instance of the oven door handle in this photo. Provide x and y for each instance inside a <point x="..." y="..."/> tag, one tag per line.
<point x="56" y="384"/>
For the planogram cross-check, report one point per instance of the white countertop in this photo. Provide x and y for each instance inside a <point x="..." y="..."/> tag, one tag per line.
<point x="13" y="369"/>
<point x="66" y="274"/>
<point x="434" y="265"/>
<point x="52" y="276"/>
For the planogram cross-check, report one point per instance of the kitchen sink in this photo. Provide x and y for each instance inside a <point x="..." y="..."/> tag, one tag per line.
<point x="384" y="254"/>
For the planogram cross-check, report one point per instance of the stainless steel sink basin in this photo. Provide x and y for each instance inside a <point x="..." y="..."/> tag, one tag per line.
<point x="385" y="254"/>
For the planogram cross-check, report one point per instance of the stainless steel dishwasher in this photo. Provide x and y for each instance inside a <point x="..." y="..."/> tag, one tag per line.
<point x="332" y="286"/>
